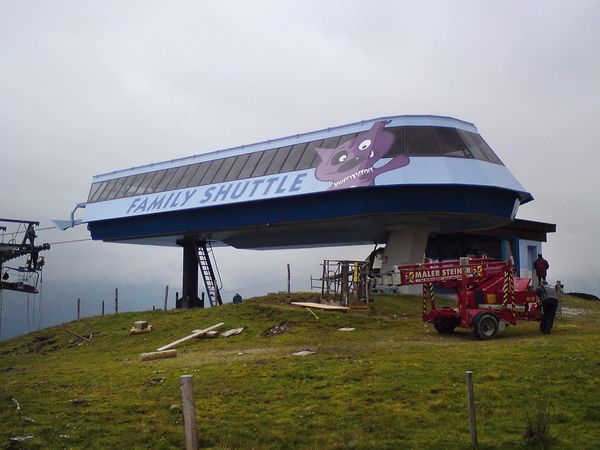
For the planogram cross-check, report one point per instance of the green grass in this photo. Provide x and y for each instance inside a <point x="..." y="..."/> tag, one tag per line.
<point x="392" y="383"/>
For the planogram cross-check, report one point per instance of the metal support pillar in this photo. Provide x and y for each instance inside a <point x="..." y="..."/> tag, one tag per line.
<point x="189" y="295"/>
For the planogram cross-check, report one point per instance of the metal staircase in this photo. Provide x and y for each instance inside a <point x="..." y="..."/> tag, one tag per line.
<point x="210" y="273"/>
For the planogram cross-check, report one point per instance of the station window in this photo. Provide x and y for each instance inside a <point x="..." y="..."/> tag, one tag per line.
<point x="223" y="170"/>
<point x="212" y="170"/>
<point x="176" y="178"/>
<point x="309" y="156"/>
<point x="399" y="145"/>
<point x="114" y="192"/>
<point x="197" y="178"/>
<point x="263" y="163"/>
<point x="294" y="157"/>
<point x="279" y="160"/>
<point x="236" y="168"/>
<point x="93" y="191"/>
<point x="331" y="142"/>
<point x="161" y="187"/>
<point x="156" y="180"/>
<point x="186" y="178"/>
<point x="451" y="144"/>
<point x="250" y="165"/>
<point x="421" y="141"/>
<point x="486" y="149"/>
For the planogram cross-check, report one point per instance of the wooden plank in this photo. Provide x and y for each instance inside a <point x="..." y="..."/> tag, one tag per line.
<point x="194" y="334"/>
<point x="158" y="355"/>
<point x="209" y="334"/>
<point x="232" y="332"/>
<point x="321" y="306"/>
<point x="80" y="337"/>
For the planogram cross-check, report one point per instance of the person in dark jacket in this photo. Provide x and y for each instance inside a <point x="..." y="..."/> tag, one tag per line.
<point x="541" y="268"/>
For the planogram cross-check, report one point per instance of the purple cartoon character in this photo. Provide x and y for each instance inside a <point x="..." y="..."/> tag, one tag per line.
<point x="352" y="163"/>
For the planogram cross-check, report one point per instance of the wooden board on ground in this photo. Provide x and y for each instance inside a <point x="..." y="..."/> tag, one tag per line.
<point x="209" y="334"/>
<point x="158" y="355"/>
<point x="321" y="306"/>
<point x="194" y="334"/>
<point x="232" y="332"/>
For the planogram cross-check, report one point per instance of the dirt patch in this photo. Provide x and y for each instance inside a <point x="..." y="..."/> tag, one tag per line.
<point x="40" y="344"/>
<point x="283" y="327"/>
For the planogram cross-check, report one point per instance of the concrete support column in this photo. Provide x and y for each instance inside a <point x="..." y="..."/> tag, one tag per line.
<point x="189" y="296"/>
<point x="406" y="245"/>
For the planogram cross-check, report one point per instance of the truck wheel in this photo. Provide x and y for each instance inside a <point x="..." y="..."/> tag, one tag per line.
<point x="444" y="325"/>
<point x="486" y="326"/>
<point x="549" y="306"/>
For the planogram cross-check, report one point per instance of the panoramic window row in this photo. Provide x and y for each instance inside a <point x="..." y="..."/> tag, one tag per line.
<point x="411" y="141"/>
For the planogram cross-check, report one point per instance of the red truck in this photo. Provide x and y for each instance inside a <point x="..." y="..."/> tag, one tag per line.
<point x="489" y="296"/>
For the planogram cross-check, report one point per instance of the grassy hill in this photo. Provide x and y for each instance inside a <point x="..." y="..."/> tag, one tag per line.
<point x="392" y="383"/>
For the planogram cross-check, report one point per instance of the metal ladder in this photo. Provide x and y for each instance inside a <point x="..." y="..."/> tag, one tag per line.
<point x="212" y="279"/>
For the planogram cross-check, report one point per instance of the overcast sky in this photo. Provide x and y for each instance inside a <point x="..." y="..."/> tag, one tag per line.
<point x="88" y="87"/>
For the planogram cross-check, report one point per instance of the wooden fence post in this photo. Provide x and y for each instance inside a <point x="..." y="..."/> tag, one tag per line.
<point x="102" y="307"/>
<point x="78" y="308"/>
<point x="188" y="405"/>
<point x="471" y="401"/>
<point x="116" y="300"/>
<point x="166" y="295"/>
<point x="289" y="276"/>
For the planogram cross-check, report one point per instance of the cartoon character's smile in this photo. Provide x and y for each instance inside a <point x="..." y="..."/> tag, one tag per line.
<point x="352" y="163"/>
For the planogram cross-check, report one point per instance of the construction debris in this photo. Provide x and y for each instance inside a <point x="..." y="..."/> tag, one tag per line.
<point x="80" y="337"/>
<point x="304" y="352"/>
<point x="136" y="330"/>
<point x="209" y="334"/>
<point x="232" y="332"/>
<point x="158" y="355"/>
<point x="322" y="306"/>
<point x="311" y="311"/>
<point x="195" y="334"/>
<point x="278" y="329"/>
<point x="141" y="324"/>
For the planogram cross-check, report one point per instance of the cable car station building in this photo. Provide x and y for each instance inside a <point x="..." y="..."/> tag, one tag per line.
<point x="423" y="185"/>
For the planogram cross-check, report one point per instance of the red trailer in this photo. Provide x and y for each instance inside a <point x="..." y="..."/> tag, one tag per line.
<point x="489" y="296"/>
